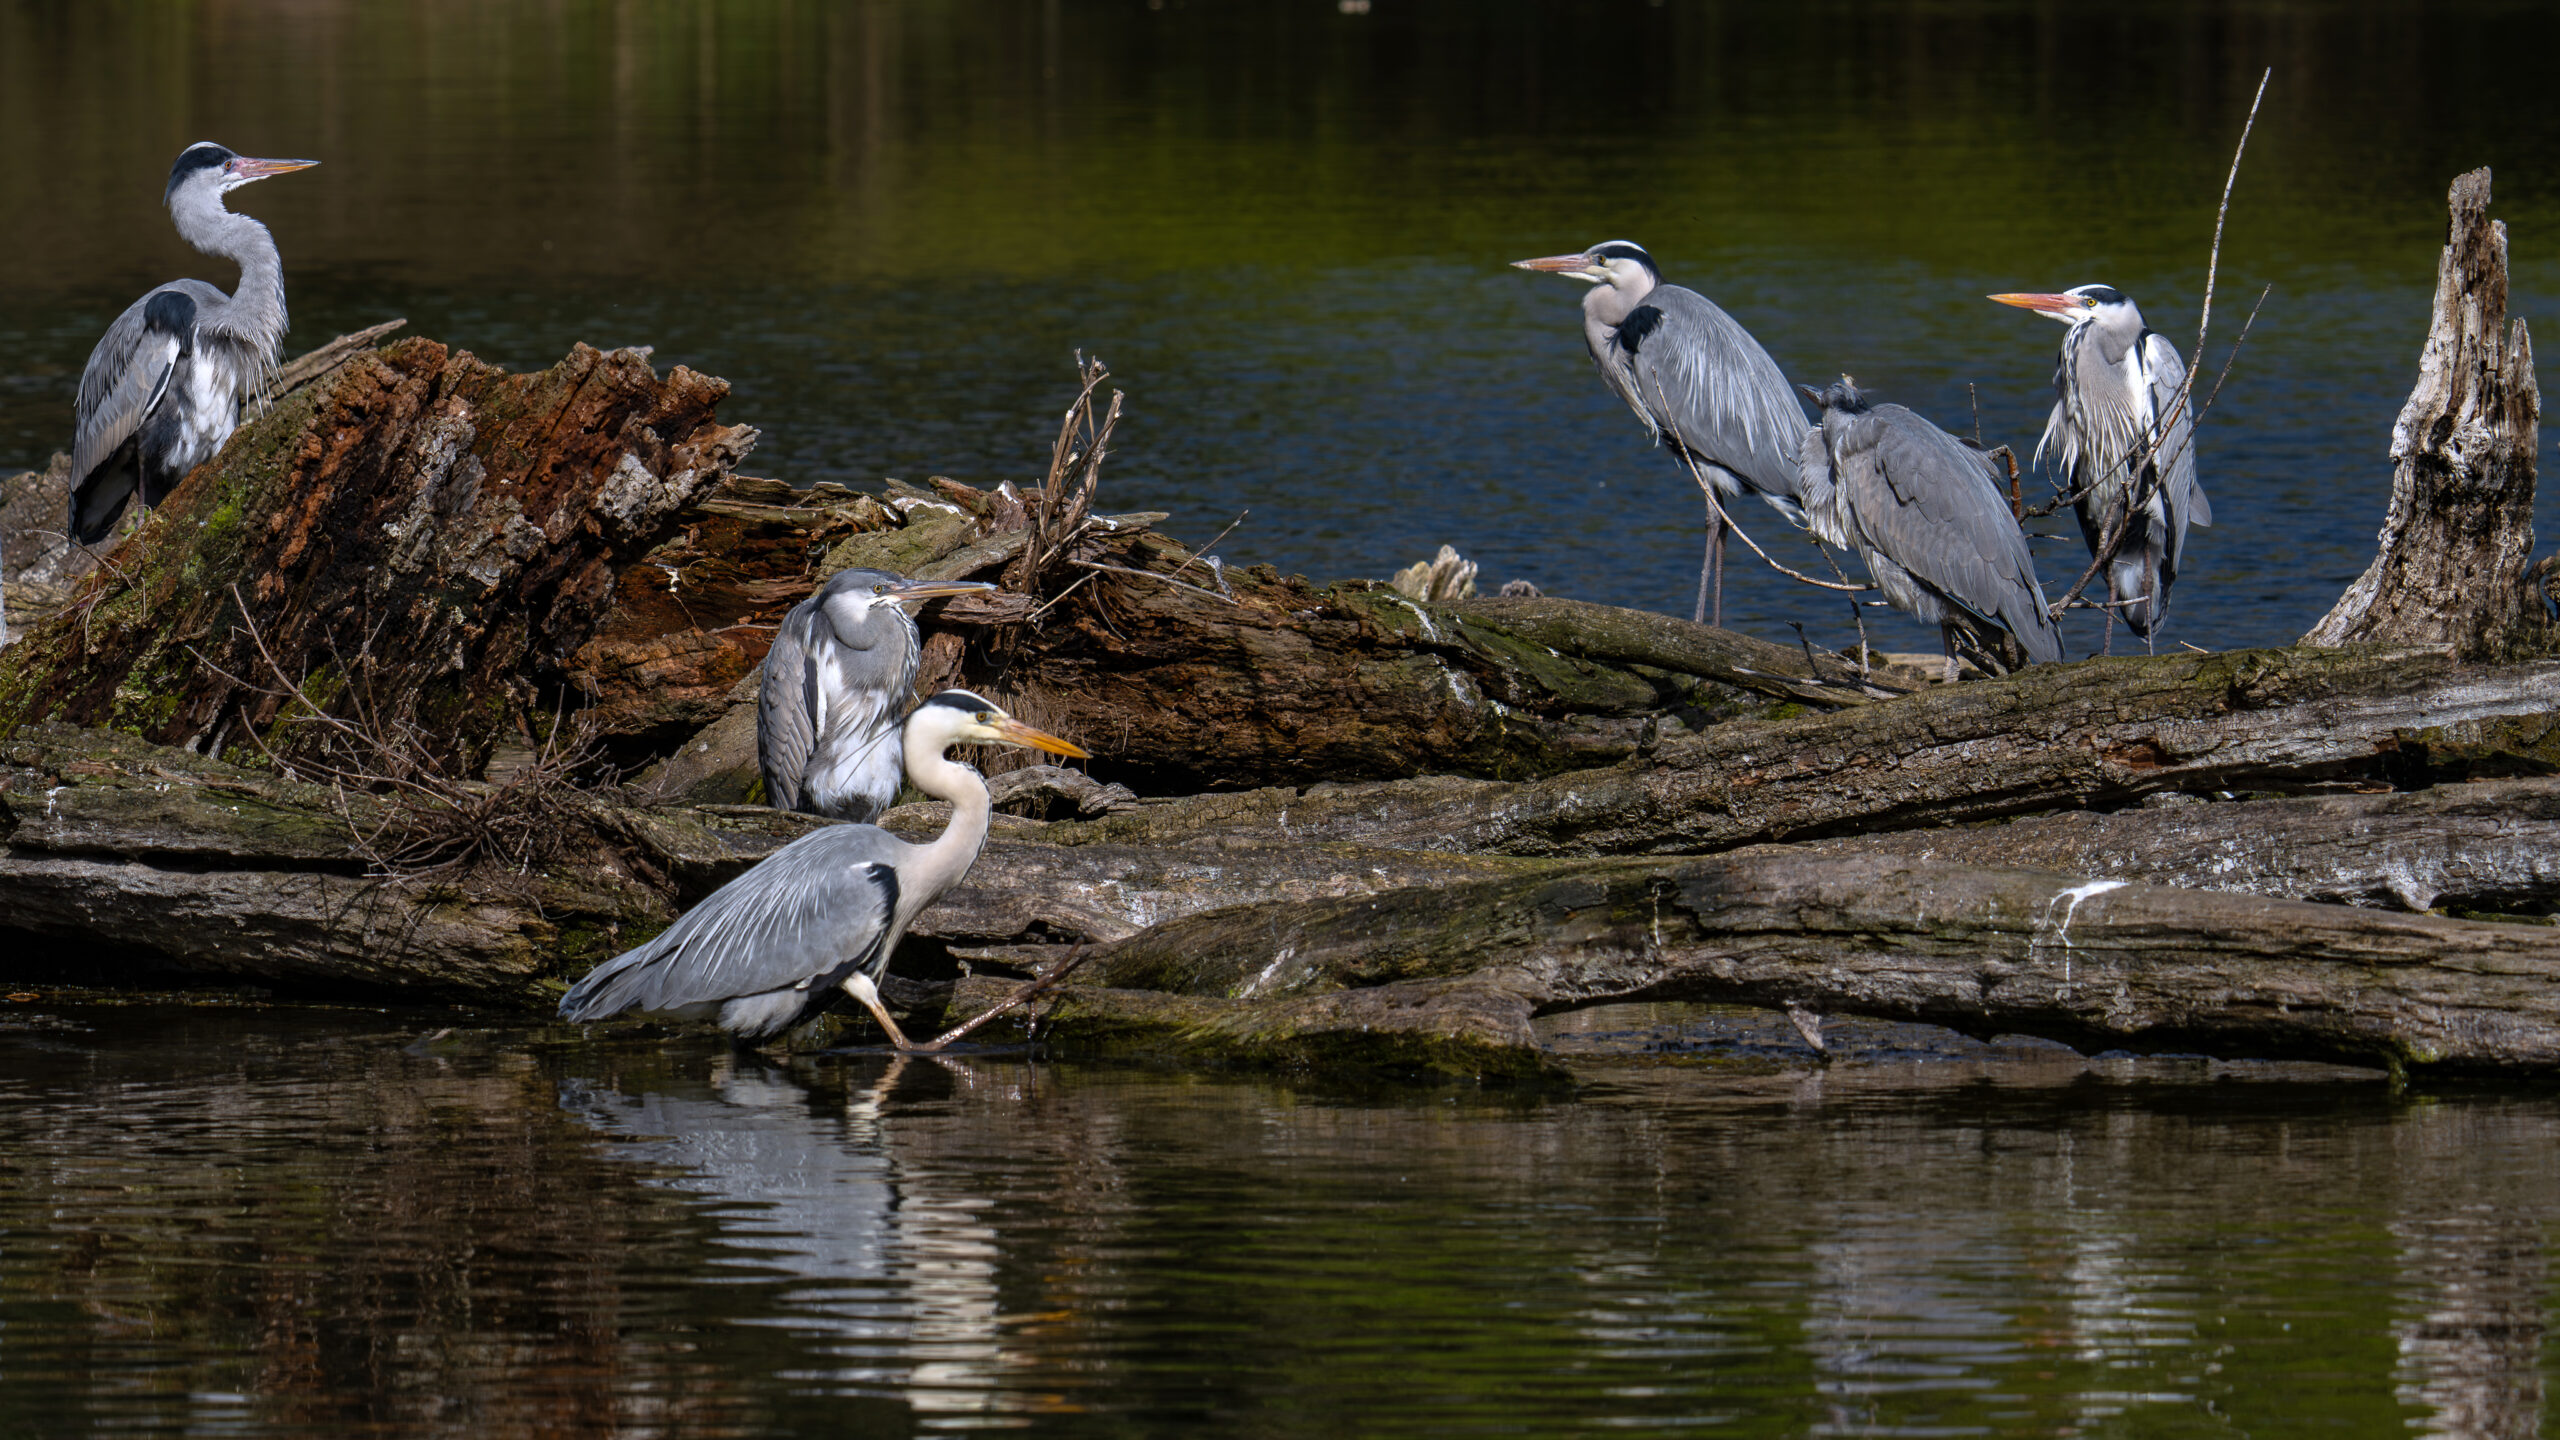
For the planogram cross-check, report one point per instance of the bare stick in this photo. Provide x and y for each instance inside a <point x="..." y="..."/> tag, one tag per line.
<point x="1213" y="542"/>
<point x="1014" y="1001"/>
<point x="1151" y="575"/>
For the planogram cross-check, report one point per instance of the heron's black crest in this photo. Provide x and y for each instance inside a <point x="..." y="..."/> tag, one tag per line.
<point x="1626" y="250"/>
<point x="965" y="701"/>
<point x="203" y="155"/>
<point x="2103" y="294"/>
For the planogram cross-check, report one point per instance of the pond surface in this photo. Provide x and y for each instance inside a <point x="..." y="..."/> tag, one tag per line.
<point x="243" y="1221"/>
<point x="1285" y="226"/>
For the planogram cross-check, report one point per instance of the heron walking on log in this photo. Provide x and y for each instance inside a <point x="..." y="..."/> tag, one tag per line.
<point x="768" y="950"/>
<point x="1924" y="510"/>
<point x="838" y="678"/>
<point x="1704" y="388"/>
<point x="2125" y="441"/>
<point x="164" y="386"/>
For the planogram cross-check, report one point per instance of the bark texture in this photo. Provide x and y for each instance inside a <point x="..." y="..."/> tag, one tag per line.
<point x="2095" y="964"/>
<point x="2458" y="537"/>
<point x="420" y="525"/>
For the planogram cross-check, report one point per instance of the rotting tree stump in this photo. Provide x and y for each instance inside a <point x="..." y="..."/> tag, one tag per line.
<point x="2458" y="538"/>
<point x="420" y="525"/>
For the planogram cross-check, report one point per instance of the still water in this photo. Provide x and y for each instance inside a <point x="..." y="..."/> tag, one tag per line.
<point x="890" y="224"/>
<point x="345" y="1222"/>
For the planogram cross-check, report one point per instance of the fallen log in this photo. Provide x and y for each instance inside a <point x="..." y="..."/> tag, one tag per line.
<point x="2094" y="964"/>
<point x="2099" y="732"/>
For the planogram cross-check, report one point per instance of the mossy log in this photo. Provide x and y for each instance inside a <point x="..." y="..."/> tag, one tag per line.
<point x="419" y="531"/>
<point x="2094" y="733"/>
<point x="2099" y="965"/>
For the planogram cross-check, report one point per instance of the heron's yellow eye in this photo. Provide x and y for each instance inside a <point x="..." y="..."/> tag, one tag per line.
<point x="2089" y="302"/>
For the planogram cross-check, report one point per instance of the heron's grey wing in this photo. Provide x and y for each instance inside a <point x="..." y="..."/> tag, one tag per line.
<point x="1931" y="505"/>
<point x="787" y="709"/>
<point x="1714" y="387"/>
<point x="128" y="373"/>
<point x="802" y="918"/>
<point x="2181" y="492"/>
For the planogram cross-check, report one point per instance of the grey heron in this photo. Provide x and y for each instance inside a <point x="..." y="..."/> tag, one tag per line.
<point x="164" y="386"/>
<point x="841" y="673"/>
<point x="2117" y="407"/>
<point x="1924" y="510"/>
<point x="1703" y="387"/>
<point x="768" y="950"/>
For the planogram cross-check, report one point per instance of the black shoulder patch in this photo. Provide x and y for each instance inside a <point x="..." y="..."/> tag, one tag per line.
<point x="1638" y="327"/>
<point x="170" y="312"/>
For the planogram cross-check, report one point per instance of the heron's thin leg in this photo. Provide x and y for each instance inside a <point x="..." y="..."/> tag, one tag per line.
<point x="1709" y="582"/>
<point x="859" y="986"/>
<point x="1947" y="641"/>
<point x="1715" y="614"/>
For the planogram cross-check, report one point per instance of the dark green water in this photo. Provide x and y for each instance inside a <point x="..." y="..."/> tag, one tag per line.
<point x="890" y="224"/>
<point x="245" y="1222"/>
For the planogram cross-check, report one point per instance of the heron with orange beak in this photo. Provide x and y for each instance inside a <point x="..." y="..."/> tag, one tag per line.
<point x="2123" y="438"/>
<point x="1703" y="387"/>
<point x="769" y="950"/>
<point x="163" y="389"/>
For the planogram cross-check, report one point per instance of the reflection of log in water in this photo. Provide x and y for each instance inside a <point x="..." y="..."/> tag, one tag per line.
<point x="2474" y="1291"/>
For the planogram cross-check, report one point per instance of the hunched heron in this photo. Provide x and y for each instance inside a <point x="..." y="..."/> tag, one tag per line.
<point x="1925" y="512"/>
<point x="836" y="684"/>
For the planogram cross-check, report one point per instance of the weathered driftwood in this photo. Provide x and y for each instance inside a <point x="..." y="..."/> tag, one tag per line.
<point x="2096" y="964"/>
<point x="420" y="527"/>
<point x="2458" y="537"/>
<point x="2099" y="732"/>
<point x="2492" y="846"/>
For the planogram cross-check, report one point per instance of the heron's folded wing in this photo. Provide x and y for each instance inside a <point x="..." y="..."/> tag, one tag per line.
<point x="787" y="709"/>
<point x="802" y="915"/>
<point x="2182" y="492"/>
<point x="1715" y="388"/>
<point x="1949" y="525"/>
<point x="128" y="373"/>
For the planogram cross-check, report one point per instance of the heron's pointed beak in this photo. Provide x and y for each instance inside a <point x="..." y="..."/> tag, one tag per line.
<point x="1014" y="732"/>
<point x="916" y="592"/>
<point x="2058" y="306"/>
<point x="1580" y="267"/>
<point x="247" y="169"/>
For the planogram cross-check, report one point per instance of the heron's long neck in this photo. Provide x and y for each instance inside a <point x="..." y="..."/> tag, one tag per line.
<point x="942" y="862"/>
<point x="1608" y="306"/>
<point x="256" y="315"/>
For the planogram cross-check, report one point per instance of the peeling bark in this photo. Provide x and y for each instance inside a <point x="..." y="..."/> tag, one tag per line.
<point x="457" y="527"/>
<point x="2459" y="534"/>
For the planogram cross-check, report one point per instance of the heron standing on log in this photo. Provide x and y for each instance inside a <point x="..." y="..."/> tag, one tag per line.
<point x="767" y="951"/>
<point x="2125" y="440"/>
<point x="164" y="386"/>
<point x="1924" y="510"/>
<point x="838" y="678"/>
<point x="1704" y="388"/>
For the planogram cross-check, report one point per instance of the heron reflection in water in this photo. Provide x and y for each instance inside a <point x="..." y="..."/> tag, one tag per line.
<point x="163" y="389"/>
<point x="767" y="951"/>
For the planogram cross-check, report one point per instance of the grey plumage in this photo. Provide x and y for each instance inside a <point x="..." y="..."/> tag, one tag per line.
<point x="2116" y="384"/>
<point x="837" y="682"/>
<point x="1925" y="512"/>
<point x="1704" y="388"/>
<point x="163" y="388"/>
<point x="769" y="949"/>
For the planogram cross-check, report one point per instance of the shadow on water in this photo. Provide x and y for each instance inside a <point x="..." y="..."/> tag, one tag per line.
<point x="347" y="1222"/>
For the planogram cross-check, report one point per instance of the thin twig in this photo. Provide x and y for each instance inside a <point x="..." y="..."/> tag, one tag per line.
<point x="1151" y="575"/>
<point x="1213" y="542"/>
<point x="1036" y="988"/>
